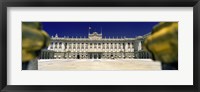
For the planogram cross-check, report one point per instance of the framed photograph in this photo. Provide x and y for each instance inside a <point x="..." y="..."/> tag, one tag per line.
<point x="76" y="45"/>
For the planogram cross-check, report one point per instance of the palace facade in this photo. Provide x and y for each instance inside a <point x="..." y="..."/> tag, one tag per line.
<point x="95" y="47"/>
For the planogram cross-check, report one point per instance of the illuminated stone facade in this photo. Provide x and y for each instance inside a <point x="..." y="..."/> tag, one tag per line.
<point x="95" y="47"/>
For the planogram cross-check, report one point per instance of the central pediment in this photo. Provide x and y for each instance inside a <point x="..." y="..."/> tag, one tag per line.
<point x="95" y="36"/>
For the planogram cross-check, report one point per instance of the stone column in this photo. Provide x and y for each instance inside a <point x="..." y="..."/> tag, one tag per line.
<point x="67" y="47"/>
<point x="105" y="46"/>
<point x="92" y="55"/>
<point x="80" y="46"/>
<point x="53" y="45"/>
<point x="63" y="46"/>
<point x="126" y="46"/>
<point x="121" y="46"/>
<point x="109" y="45"/>
<point x="139" y="45"/>
<point x="58" y="43"/>
<point x="76" y="44"/>
<point x="130" y="45"/>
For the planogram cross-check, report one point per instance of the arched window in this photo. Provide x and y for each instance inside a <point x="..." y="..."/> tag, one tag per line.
<point x="56" y="45"/>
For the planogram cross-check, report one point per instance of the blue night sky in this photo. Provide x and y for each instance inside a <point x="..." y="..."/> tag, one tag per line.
<point x="120" y="29"/>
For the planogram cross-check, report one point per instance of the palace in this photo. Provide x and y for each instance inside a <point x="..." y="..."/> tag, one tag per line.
<point x="95" y="47"/>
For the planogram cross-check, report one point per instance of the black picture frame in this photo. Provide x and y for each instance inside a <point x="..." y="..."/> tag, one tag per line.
<point x="98" y="3"/>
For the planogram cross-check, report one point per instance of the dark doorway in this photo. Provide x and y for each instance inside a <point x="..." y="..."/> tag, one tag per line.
<point x="78" y="56"/>
<point x="99" y="56"/>
<point x="111" y="56"/>
<point x="95" y="56"/>
<point x="90" y="56"/>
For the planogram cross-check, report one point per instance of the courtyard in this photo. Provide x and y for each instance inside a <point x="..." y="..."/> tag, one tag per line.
<point x="97" y="64"/>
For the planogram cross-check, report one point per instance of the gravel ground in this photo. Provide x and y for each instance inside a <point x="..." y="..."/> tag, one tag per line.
<point x="99" y="65"/>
